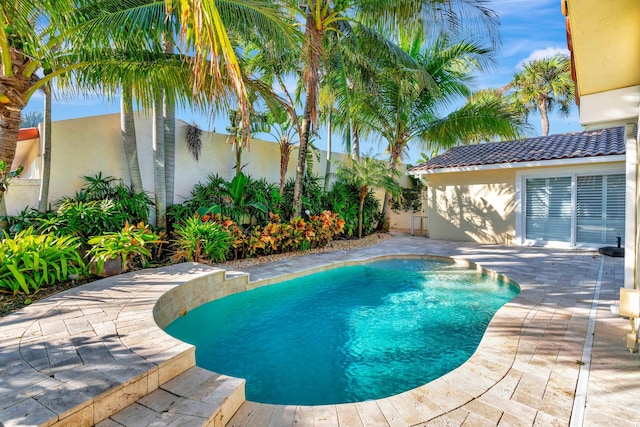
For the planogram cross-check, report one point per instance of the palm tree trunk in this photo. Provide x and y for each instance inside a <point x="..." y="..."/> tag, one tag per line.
<point x="237" y="146"/>
<point x="363" y="195"/>
<point x="9" y="128"/>
<point x="43" y="199"/>
<point x="355" y="142"/>
<point x="160" y="189"/>
<point x="302" y="160"/>
<point x="312" y="46"/>
<point x="394" y="162"/>
<point x="327" y="170"/>
<point x="129" y="141"/>
<point x="285" y="153"/>
<point x="169" y="118"/>
<point x="544" y="117"/>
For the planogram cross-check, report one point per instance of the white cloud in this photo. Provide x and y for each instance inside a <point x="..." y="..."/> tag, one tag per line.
<point x="542" y="53"/>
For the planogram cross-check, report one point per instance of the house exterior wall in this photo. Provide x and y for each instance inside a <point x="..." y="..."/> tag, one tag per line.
<point x="473" y="206"/>
<point x="486" y="206"/>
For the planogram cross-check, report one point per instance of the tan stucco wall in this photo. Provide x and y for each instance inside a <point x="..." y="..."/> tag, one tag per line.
<point x="89" y="145"/>
<point x="473" y="206"/>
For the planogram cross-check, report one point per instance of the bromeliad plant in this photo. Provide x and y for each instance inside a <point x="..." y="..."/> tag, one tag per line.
<point x="133" y="243"/>
<point x="28" y="260"/>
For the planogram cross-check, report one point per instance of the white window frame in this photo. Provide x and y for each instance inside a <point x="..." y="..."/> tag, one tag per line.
<point x="573" y="172"/>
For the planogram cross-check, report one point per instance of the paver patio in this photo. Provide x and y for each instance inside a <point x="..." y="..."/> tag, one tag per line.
<point x="94" y="353"/>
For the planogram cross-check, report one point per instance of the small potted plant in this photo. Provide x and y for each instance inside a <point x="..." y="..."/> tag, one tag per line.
<point x="114" y="253"/>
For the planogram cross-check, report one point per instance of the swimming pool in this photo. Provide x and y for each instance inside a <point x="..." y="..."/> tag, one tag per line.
<point x="349" y="334"/>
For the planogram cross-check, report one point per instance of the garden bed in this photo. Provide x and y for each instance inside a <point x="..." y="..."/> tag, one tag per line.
<point x="10" y="303"/>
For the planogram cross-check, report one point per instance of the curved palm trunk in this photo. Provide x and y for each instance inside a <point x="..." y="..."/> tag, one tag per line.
<point x="327" y="170"/>
<point x="169" y="118"/>
<point x="43" y="199"/>
<point x="9" y="128"/>
<point x="129" y="141"/>
<point x="544" y="117"/>
<point x="158" y="165"/>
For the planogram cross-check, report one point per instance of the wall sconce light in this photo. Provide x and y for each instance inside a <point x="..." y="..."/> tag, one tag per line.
<point x="630" y="307"/>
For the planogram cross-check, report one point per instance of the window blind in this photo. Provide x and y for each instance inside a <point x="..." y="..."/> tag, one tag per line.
<point x="548" y="209"/>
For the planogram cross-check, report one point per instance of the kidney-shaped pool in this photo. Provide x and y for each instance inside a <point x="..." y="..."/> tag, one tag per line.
<point x="349" y="334"/>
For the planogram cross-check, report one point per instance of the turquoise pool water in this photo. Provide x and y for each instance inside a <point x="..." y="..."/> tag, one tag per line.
<point x="348" y="334"/>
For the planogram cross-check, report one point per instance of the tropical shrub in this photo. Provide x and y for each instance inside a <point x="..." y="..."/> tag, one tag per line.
<point x="409" y="201"/>
<point x="134" y="243"/>
<point x="84" y="219"/>
<point x="98" y="188"/>
<point x="237" y="203"/>
<point x="28" y="261"/>
<point x="343" y="200"/>
<point x="325" y="227"/>
<point x="28" y="217"/>
<point x="201" y="241"/>
<point x="103" y="205"/>
<point x="311" y="196"/>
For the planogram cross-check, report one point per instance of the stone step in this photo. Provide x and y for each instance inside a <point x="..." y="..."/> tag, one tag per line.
<point x="197" y="397"/>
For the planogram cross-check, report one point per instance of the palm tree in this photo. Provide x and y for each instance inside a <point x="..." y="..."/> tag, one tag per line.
<point x="71" y="36"/>
<point x="411" y="105"/>
<point x="367" y="173"/>
<point x="322" y="17"/>
<point x="543" y="85"/>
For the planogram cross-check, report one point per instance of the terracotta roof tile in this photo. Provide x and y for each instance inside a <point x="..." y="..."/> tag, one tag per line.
<point x="601" y="142"/>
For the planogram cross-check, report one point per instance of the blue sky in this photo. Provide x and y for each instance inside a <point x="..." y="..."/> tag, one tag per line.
<point x="529" y="29"/>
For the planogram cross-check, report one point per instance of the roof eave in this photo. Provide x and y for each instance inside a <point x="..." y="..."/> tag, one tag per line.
<point x="520" y="165"/>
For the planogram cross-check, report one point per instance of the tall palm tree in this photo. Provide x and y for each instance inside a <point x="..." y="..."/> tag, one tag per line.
<point x="322" y="17"/>
<point x="367" y="173"/>
<point x="412" y="105"/>
<point x="543" y="85"/>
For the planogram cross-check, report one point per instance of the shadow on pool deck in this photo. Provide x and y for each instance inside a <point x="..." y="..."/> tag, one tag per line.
<point x="84" y="344"/>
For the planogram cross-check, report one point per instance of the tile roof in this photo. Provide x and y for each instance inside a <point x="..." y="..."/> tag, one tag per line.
<point x="601" y="142"/>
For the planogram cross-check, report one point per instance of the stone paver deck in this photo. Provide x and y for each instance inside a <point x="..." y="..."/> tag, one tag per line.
<point x="94" y="354"/>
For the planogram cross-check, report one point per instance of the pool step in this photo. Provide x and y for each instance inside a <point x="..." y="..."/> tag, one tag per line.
<point x="235" y="281"/>
<point x="197" y="397"/>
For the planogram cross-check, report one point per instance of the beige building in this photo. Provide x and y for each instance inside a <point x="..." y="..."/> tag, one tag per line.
<point x="560" y="190"/>
<point x="604" y="40"/>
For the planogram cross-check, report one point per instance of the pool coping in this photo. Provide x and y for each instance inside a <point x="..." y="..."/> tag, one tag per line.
<point x="114" y="320"/>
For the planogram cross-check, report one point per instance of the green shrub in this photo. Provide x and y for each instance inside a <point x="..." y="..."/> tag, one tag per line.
<point x="133" y="243"/>
<point x="85" y="219"/>
<point x="28" y="261"/>
<point x="311" y="197"/>
<point x="343" y="200"/>
<point x="201" y="241"/>
<point x="410" y="201"/>
<point x="28" y="217"/>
